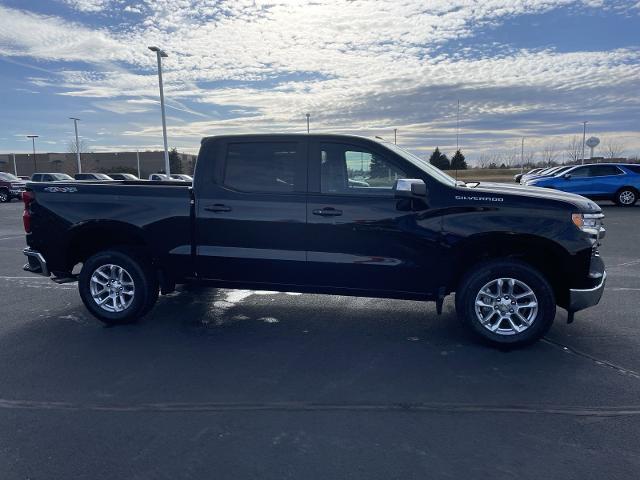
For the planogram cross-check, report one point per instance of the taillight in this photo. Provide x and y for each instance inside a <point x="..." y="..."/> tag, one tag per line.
<point x="27" y="198"/>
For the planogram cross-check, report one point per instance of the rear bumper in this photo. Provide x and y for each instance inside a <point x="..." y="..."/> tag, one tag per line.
<point x="35" y="262"/>
<point x="579" y="299"/>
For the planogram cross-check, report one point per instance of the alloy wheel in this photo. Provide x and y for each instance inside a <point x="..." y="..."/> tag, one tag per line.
<point x="627" y="197"/>
<point x="506" y="306"/>
<point x="112" y="288"/>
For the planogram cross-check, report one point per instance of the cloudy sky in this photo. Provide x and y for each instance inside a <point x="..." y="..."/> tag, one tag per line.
<point x="532" y="68"/>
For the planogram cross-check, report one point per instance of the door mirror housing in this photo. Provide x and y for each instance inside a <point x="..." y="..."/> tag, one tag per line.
<point x="567" y="176"/>
<point x="409" y="188"/>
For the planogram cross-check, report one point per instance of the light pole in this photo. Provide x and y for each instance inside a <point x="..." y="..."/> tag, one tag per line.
<point x="308" y="117"/>
<point x="15" y="169"/>
<point x="33" y="142"/>
<point x="584" y="134"/>
<point x="458" y="127"/>
<point x="522" y="156"/>
<point x="138" y="161"/>
<point x="160" y="54"/>
<point x="75" y="124"/>
<point x="395" y="136"/>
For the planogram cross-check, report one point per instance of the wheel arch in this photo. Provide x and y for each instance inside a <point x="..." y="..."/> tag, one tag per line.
<point x="548" y="257"/>
<point x="89" y="238"/>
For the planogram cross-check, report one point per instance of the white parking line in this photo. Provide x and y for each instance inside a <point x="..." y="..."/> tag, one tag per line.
<point x="10" y="237"/>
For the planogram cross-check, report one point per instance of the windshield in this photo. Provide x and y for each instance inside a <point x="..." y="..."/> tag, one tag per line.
<point x="8" y="177"/>
<point x="61" y="176"/>
<point x="423" y="165"/>
<point x="562" y="169"/>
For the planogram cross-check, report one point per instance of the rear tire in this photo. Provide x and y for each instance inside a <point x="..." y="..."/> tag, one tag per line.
<point x="626" y="197"/>
<point x="118" y="286"/>
<point x="506" y="303"/>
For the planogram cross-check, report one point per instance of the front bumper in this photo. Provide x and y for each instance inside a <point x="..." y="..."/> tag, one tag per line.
<point x="579" y="299"/>
<point x="35" y="262"/>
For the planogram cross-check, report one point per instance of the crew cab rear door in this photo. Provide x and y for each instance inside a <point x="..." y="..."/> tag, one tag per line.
<point x="251" y="209"/>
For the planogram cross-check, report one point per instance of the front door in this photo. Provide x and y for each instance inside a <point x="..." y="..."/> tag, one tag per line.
<point x="251" y="212"/>
<point x="359" y="235"/>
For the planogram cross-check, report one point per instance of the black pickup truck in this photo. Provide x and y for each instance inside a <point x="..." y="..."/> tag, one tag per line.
<point x="327" y="214"/>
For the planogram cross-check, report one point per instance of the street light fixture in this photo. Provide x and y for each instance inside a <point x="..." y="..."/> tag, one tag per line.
<point x="308" y="117"/>
<point x="160" y="54"/>
<point x="75" y="124"/>
<point x="33" y="142"/>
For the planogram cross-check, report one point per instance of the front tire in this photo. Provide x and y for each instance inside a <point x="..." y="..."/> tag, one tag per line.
<point x="506" y="303"/>
<point x="4" y="196"/>
<point x="118" y="286"/>
<point x="626" y="197"/>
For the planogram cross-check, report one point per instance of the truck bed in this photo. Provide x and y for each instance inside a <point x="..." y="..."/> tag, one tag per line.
<point x="68" y="217"/>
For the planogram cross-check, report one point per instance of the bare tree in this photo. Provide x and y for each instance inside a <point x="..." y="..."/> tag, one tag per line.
<point x="73" y="148"/>
<point x="574" y="150"/>
<point x="614" y="149"/>
<point x="549" y="155"/>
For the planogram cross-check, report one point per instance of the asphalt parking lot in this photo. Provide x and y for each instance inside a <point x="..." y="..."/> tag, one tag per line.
<point x="239" y="384"/>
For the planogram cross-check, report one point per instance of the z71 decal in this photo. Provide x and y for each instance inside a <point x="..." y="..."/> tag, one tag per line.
<point x="61" y="189"/>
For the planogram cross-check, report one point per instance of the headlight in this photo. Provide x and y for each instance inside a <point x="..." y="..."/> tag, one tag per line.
<point x="590" y="223"/>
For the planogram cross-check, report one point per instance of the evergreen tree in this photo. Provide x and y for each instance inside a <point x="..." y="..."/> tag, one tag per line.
<point x="175" y="162"/>
<point x="439" y="160"/>
<point x="458" y="162"/>
<point x="378" y="168"/>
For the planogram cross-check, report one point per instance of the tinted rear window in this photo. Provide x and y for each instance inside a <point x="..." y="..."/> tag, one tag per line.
<point x="633" y="168"/>
<point x="604" y="170"/>
<point x="261" y="167"/>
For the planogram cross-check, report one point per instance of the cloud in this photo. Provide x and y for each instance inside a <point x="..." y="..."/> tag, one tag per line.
<point x="24" y="34"/>
<point x="88" y="5"/>
<point x="357" y="65"/>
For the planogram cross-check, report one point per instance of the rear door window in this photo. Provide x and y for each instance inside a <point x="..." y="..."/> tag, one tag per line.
<point x="268" y="167"/>
<point x="603" y="170"/>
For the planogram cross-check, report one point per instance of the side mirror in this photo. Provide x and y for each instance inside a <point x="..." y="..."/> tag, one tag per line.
<point x="567" y="176"/>
<point x="410" y="188"/>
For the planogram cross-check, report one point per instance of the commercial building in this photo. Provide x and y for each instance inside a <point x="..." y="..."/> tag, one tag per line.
<point x="150" y="162"/>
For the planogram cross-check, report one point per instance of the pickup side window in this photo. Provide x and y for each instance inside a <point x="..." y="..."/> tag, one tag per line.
<point x="268" y="167"/>
<point x="352" y="170"/>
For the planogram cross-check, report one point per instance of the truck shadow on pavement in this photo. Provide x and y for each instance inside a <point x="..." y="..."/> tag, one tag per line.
<point x="241" y="347"/>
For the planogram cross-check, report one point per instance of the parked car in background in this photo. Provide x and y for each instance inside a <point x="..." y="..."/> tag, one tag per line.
<point x="10" y="187"/>
<point x="123" y="176"/>
<point x="51" y="177"/>
<point x="547" y="172"/>
<point x="518" y="176"/>
<point x="600" y="181"/>
<point x="24" y="177"/>
<point x="159" y="177"/>
<point x="181" y="177"/>
<point x="92" y="176"/>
